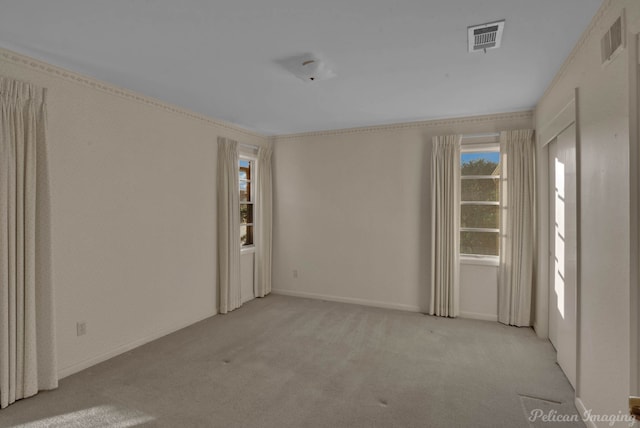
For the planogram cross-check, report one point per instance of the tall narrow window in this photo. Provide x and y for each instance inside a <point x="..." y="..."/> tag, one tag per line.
<point x="246" y="169"/>
<point x="480" y="201"/>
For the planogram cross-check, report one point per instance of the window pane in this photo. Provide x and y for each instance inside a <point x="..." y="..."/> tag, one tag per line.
<point x="481" y="189"/>
<point x="246" y="213"/>
<point x="480" y="163"/>
<point x="480" y="216"/>
<point x="245" y="191"/>
<point x="479" y="243"/>
<point x="246" y="210"/>
<point x="245" y="170"/>
<point x="246" y="235"/>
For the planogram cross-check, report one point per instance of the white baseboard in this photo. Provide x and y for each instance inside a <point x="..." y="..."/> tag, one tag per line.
<point x="85" y="364"/>
<point x="479" y="316"/>
<point x="364" y="302"/>
<point x="582" y="409"/>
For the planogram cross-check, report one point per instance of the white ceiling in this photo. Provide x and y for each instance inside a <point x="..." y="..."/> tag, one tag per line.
<point x="395" y="61"/>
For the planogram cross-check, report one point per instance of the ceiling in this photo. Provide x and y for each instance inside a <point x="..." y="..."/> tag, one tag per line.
<point x="394" y="61"/>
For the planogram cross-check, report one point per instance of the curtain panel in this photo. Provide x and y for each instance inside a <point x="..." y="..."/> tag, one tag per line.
<point x="264" y="215"/>
<point x="517" y="229"/>
<point x="27" y="337"/>
<point x="445" y="226"/>
<point x="229" y="297"/>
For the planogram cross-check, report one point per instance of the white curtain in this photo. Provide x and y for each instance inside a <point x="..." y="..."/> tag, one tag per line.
<point x="27" y="340"/>
<point x="517" y="244"/>
<point x="445" y="225"/>
<point x="262" y="284"/>
<point x="229" y="297"/>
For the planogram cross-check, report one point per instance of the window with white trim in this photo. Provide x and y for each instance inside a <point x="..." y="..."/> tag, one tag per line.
<point x="246" y="169"/>
<point x="480" y="200"/>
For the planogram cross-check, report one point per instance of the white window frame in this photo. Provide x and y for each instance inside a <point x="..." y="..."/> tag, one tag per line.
<point x="484" y="145"/>
<point x="253" y="160"/>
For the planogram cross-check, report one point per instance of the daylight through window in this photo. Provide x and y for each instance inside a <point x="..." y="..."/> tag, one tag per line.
<point x="246" y="202"/>
<point x="480" y="202"/>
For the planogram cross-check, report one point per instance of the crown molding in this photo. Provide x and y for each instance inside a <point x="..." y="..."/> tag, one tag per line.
<point x="586" y="35"/>
<point x="527" y="114"/>
<point x="59" y="72"/>
<point x="55" y="71"/>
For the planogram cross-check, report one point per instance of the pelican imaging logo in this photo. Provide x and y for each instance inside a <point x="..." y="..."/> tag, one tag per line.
<point x="553" y="416"/>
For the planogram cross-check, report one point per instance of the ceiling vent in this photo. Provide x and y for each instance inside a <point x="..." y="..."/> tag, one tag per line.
<point x="613" y="41"/>
<point x="486" y="36"/>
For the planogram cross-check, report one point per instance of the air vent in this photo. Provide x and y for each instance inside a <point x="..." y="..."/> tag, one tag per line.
<point x="612" y="41"/>
<point x="486" y="36"/>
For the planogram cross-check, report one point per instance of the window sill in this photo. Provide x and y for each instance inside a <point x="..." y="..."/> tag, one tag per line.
<point x="480" y="260"/>
<point x="248" y="250"/>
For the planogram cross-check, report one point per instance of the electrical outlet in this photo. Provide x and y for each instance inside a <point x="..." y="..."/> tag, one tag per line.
<point x="81" y="328"/>
<point x="295" y="273"/>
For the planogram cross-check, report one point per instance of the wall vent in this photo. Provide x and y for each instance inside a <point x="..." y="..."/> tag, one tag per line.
<point x="486" y="36"/>
<point x="613" y="41"/>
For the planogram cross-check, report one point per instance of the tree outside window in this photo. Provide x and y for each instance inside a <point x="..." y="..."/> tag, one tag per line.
<point x="246" y="168"/>
<point x="480" y="202"/>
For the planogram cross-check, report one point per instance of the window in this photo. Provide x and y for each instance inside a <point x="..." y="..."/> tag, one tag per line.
<point x="480" y="201"/>
<point x="247" y="167"/>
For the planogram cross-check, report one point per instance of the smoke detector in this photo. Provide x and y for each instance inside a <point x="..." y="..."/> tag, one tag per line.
<point x="308" y="67"/>
<point x="485" y="36"/>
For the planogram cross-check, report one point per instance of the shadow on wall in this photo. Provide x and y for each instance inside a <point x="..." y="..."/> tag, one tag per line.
<point x="424" y="228"/>
<point x="45" y="323"/>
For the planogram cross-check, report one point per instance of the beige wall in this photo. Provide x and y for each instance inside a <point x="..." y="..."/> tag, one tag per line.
<point x="479" y="291"/>
<point x="247" y="269"/>
<point x="133" y="213"/>
<point x="603" y="126"/>
<point x="352" y="212"/>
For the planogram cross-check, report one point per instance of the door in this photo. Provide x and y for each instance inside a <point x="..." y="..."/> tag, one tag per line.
<point x="634" y="165"/>
<point x="563" y="250"/>
<point x="553" y="297"/>
<point x="636" y="329"/>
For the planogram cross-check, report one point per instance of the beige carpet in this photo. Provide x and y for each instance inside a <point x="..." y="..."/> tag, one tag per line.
<point x="291" y="362"/>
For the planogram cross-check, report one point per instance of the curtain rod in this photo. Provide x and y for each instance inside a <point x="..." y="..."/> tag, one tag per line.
<point x="485" y="135"/>
<point x="248" y="146"/>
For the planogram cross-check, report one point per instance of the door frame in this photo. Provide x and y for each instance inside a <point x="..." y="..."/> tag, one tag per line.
<point x="552" y="152"/>
<point x="545" y="135"/>
<point x="634" y="203"/>
<point x="566" y="117"/>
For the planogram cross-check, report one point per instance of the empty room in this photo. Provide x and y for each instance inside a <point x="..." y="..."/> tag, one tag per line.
<point x="319" y="214"/>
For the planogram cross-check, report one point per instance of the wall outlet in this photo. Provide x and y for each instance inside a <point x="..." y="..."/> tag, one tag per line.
<point x="295" y="273"/>
<point x="81" y="328"/>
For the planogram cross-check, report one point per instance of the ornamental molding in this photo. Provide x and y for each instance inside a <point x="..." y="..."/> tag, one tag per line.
<point x="453" y="122"/>
<point x="43" y="67"/>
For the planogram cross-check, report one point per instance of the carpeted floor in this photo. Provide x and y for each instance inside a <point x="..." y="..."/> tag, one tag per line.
<point x="290" y="362"/>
